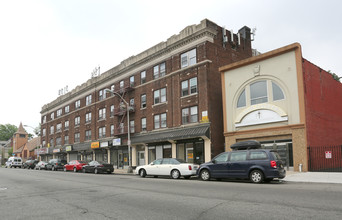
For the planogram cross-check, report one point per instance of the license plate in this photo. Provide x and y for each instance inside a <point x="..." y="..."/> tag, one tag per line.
<point x="108" y="169"/>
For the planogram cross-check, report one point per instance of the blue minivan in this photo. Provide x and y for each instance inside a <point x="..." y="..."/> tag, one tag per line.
<point x="246" y="161"/>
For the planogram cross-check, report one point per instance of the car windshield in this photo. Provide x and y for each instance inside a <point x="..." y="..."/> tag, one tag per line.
<point x="81" y="161"/>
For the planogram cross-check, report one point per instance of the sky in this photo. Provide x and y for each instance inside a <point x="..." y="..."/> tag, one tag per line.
<point x="46" y="45"/>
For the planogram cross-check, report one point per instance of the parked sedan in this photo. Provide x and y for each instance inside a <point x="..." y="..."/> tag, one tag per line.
<point x="30" y="164"/>
<point x="98" y="167"/>
<point x="55" y="164"/>
<point x="168" y="167"/>
<point x="74" y="165"/>
<point x="41" y="165"/>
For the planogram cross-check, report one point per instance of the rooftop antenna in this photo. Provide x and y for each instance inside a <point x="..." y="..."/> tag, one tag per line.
<point x="253" y="33"/>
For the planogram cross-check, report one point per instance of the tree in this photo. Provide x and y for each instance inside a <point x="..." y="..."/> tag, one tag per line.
<point x="334" y="75"/>
<point x="7" y="131"/>
<point x="10" y="152"/>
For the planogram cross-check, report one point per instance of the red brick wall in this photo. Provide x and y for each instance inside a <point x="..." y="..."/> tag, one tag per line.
<point x="323" y="106"/>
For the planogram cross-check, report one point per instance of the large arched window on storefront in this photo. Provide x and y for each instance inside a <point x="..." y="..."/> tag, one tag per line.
<point x="260" y="92"/>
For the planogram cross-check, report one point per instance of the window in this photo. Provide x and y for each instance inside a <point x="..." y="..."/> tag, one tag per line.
<point x="88" y="117"/>
<point x="143" y="101"/>
<point x="88" y="135"/>
<point x="131" y="81"/>
<point x="159" y="71"/>
<point x="44" y="132"/>
<point x="88" y="100"/>
<point x="112" y="130"/>
<point x="66" y="139"/>
<point x="238" y="156"/>
<point x="59" y="112"/>
<point x="186" y="90"/>
<point x="122" y="84"/>
<point x="66" y="109"/>
<point x="112" y="87"/>
<point x="258" y="92"/>
<point x="111" y="110"/>
<point x="59" y="127"/>
<point x="52" y="129"/>
<point x="131" y="102"/>
<point x="257" y="155"/>
<point x="143" y="124"/>
<point x="188" y="58"/>
<point x="77" y="121"/>
<point x="52" y="116"/>
<point x="102" y="132"/>
<point x="58" y="141"/>
<point x="221" y="158"/>
<point x="77" y="137"/>
<point x="77" y="104"/>
<point x="122" y="128"/>
<point x="44" y="119"/>
<point x="160" y="121"/>
<point x="131" y="126"/>
<point x="277" y="92"/>
<point x="102" y="113"/>
<point x="51" y="142"/>
<point x="66" y="125"/>
<point x="160" y="96"/>
<point x="143" y="77"/>
<point x="242" y="99"/>
<point x="189" y="115"/>
<point x="102" y="94"/>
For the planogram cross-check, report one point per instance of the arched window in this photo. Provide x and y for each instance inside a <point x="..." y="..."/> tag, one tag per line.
<point x="258" y="92"/>
<point x="242" y="99"/>
<point x="277" y="92"/>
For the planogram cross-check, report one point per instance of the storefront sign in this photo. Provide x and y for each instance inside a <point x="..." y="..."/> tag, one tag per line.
<point x="56" y="150"/>
<point x="95" y="145"/>
<point x="43" y="151"/>
<point x="117" y="142"/>
<point x="190" y="156"/>
<point x="68" y="148"/>
<point x="104" y="144"/>
<point x="328" y="154"/>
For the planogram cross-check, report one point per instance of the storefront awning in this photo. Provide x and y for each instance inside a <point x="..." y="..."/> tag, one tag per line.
<point x="201" y="130"/>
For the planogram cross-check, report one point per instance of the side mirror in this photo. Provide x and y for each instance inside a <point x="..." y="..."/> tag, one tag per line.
<point x="152" y="163"/>
<point x="213" y="161"/>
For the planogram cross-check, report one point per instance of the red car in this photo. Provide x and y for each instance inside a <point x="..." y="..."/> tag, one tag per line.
<point x="75" y="165"/>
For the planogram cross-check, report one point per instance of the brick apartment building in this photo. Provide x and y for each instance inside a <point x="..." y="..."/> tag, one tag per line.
<point x="174" y="93"/>
<point x="285" y="102"/>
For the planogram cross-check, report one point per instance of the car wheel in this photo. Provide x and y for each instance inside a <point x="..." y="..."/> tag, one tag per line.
<point x="142" y="173"/>
<point x="96" y="171"/>
<point x="175" y="174"/>
<point x="75" y="170"/>
<point x="256" y="176"/>
<point x="205" y="175"/>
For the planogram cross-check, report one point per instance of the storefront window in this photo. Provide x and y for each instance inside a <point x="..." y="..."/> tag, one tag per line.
<point x="151" y="154"/>
<point x="191" y="151"/>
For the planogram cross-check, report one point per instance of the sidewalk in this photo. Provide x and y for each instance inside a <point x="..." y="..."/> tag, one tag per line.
<point x="314" y="177"/>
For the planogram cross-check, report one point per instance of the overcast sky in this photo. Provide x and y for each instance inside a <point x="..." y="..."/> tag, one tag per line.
<point x="46" y="45"/>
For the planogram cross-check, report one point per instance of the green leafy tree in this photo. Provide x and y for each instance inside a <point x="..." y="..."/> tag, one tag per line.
<point x="10" y="152"/>
<point x="335" y="76"/>
<point x="7" y="131"/>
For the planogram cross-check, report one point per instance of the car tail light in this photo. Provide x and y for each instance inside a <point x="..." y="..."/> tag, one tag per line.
<point x="273" y="164"/>
<point x="190" y="167"/>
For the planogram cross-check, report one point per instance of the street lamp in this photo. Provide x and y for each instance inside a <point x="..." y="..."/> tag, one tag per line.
<point x="37" y="135"/>
<point x="128" y="129"/>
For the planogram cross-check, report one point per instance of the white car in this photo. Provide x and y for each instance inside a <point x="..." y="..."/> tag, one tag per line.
<point x="168" y="167"/>
<point x="14" y="162"/>
<point x="41" y="165"/>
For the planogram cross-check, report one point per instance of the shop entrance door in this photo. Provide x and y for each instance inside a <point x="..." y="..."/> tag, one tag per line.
<point x="120" y="160"/>
<point x="141" y="157"/>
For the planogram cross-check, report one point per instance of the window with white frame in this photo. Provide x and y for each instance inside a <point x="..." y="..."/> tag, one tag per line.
<point x="52" y="129"/>
<point x="143" y="77"/>
<point x="88" y="135"/>
<point x="143" y="124"/>
<point x="59" y="127"/>
<point x="77" y="120"/>
<point x="131" y="81"/>
<point x="77" y="104"/>
<point x="188" y="58"/>
<point x="66" y="109"/>
<point x="88" y="100"/>
<point x="58" y="141"/>
<point x="190" y="115"/>
<point x="159" y="96"/>
<point x="59" y="113"/>
<point x="52" y="142"/>
<point x="260" y="92"/>
<point x="102" y="132"/>
<point x="88" y="117"/>
<point x="77" y="137"/>
<point x="188" y="90"/>
<point x="102" y="113"/>
<point x="66" y="125"/>
<point x="131" y="126"/>
<point x="44" y="119"/>
<point x="143" y="101"/>
<point x="122" y="84"/>
<point x="160" y="121"/>
<point x="44" y="132"/>
<point x="111" y="110"/>
<point x="102" y="94"/>
<point x="112" y="131"/>
<point x="159" y="71"/>
<point x="66" y="139"/>
<point x="52" y="116"/>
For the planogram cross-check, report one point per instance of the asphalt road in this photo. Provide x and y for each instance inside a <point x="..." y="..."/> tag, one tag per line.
<point x="31" y="194"/>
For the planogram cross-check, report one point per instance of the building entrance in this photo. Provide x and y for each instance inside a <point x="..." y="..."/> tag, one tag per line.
<point x="284" y="148"/>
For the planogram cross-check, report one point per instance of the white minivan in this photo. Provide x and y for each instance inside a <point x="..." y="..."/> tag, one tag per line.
<point x="14" y="162"/>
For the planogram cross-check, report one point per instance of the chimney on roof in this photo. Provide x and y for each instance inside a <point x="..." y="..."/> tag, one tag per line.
<point x="245" y="32"/>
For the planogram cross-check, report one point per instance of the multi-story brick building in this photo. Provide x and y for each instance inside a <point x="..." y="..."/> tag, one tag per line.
<point x="174" y="93"/>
